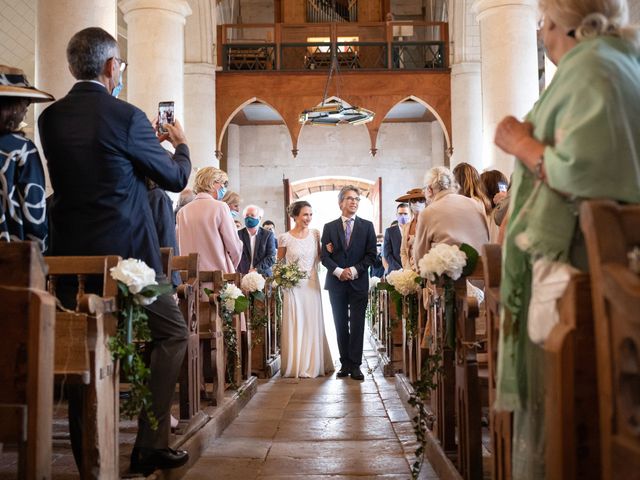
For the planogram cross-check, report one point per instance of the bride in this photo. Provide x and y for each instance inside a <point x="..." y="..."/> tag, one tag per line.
<point x="305" y="351"/>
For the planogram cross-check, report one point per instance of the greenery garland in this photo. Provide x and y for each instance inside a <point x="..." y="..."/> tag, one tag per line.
<point x="423" y="420"/>
<point x="258" y="316"/>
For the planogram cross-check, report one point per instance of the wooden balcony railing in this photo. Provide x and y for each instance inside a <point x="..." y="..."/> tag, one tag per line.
<point x="358" y="46"/>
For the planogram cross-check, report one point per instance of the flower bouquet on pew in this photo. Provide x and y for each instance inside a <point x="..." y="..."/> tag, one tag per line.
<point x="253" y="285"/>
<point x="402" y="286"/>
<point x="137" y="287"/>
<point x="444" y="264"/>
<point x="288" y="275"/>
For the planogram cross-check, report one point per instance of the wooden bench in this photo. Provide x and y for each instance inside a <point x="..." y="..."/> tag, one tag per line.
<point x="500" y="423"/>
<point x="189" y="303"/>
<point x="611" y="231"/>
<point x="82" y="357"/>
<point x="265" y="360"/>
<point x="27" y="318"/>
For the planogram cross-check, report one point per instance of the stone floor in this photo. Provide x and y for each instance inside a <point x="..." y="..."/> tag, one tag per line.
<point x="319" y="429"/>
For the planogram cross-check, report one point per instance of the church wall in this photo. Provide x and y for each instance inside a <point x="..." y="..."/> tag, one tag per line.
<point x="404" y="155"/>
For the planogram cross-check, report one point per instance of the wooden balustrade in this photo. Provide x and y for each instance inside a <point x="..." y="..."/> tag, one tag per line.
<point x="28" y="319"/>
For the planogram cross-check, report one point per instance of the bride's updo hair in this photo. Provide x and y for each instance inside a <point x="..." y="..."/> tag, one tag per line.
<point x="593" y="18"/>
<point x="295" y="208"/>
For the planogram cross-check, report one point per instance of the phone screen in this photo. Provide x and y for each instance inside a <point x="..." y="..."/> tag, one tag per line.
<point x="166" y="114"/>
<point x="502" y="187"/>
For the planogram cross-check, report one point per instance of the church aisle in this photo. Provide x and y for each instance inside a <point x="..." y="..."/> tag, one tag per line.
<point x="319" y="429"/>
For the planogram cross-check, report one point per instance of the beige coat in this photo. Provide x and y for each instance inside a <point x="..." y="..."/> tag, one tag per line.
<point x="452" y="219"/>
<point x="205" y="226"/>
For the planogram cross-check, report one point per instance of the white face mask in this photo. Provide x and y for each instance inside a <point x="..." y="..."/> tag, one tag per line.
<point x="417" y="207"/>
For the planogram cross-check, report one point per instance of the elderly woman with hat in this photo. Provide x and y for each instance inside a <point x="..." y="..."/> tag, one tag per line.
<point x="417" y="202"/>
<point x="23" y="213"/>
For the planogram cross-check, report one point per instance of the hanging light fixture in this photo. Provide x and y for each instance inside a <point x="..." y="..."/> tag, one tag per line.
<point x="335" y="112"/>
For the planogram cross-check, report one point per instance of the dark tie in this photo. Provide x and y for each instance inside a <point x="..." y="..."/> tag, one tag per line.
<point x="347" y="230"/>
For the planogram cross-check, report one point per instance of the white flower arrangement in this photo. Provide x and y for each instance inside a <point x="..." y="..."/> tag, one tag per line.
<point x="137" y="276"/>
<point x="252" y="282"/>
<point x="404" y="281"/>
<point x="441" y="260"/>
<point x="229" y="295"/>
<point x="373" y="283"/>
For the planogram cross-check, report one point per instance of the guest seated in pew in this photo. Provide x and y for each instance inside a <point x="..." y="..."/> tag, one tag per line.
<point x="417" y="203"/>
<point x="99" y="150"/>
<point x="580" y="140"/>
<point x="205" y="225"/>
<point x="22" y="205"/>
<point x="450" y="218"/>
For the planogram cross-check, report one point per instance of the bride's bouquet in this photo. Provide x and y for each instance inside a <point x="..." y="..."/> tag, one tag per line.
<point x="288" y="275"/>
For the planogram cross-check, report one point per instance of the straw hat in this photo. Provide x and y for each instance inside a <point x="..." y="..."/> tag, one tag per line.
<point x="411" y="195"/>
<point x="14" y="83"/>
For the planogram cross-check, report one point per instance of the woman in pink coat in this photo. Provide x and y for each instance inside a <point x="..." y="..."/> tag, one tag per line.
<point x="205" y="225"/>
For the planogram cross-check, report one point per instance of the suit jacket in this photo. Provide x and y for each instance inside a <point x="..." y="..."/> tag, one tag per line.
<point x="360" y="253"/>
<point x="264" y="254"/>
<point x="99" y="150"/>
<point x="205" y="226"/>
<point x="391" y="248"/>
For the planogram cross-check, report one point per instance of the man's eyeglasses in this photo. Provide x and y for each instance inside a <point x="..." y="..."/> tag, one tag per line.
<point x="122" y="62"/>
<point x="352" y="199"/>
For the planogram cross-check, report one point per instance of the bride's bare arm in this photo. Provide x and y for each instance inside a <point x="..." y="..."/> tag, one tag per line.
<point x="282" y="251"/>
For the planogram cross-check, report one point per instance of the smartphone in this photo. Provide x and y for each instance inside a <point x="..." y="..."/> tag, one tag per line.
<point x="502" y="187"/>
<point x="166" y="114"/>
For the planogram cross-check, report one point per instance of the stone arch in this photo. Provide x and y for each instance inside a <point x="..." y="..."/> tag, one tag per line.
<point x="307" y="186"/>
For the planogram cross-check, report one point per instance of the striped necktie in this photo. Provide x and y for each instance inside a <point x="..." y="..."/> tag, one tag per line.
<point x="347" y="230"/>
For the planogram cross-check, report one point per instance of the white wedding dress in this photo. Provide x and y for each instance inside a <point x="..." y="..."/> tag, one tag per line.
<point x="304" y="347"/>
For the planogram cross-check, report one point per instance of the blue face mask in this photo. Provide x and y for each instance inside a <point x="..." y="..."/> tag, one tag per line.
<point x="251" y="222"/>
<point x="222" y="192"/>
<point x="403" y="218"/>
<point x="116" y="91"/>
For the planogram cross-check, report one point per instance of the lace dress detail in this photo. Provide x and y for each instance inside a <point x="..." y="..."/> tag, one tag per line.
<point x="305" y="351"/>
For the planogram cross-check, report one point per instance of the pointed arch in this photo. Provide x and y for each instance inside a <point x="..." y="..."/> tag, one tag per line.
<point x="425" y="104"/>
<point x="230" y="116"/>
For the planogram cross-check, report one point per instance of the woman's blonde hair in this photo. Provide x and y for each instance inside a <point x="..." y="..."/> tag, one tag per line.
<point x="439" y="179"/>
<point x="207" y="177"/>
<point x="232" y="198"/>
<point x="593" y="18"/>
<point x="470" y="184"/>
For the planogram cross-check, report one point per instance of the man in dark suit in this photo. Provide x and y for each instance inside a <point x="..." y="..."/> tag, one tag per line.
<point x="393" y="239"/>
<point x="259" y="244"/>
<point x="348" y="250"/>
<point x="99" y="150"/>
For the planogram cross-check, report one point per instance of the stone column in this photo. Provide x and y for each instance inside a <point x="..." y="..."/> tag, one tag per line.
<point x="155" y="42"/>
<point x="437" y="144"/>
<point x="466" y="114"/>
<point x="509" y="68"/>
<point x="56" y="23"/>
<point x="233" y="158"/>
<point x="200" y="84"/>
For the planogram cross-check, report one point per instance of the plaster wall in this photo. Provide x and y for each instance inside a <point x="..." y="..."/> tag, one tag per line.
<point x="405" y="152"/>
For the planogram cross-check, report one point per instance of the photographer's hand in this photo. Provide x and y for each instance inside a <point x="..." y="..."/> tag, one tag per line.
<point x="175" y="134"/>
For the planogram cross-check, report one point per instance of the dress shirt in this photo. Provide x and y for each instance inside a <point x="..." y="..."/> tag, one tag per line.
<point x="252" y="241"/>
<point x="338" y="271"/>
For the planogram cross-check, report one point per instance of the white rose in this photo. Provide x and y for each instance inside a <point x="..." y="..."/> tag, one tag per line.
<point x="230" y="291"/>
<point x="373" y="282"/>
<point x="135" y="274"/>
<point x="230" y="304"/>
<point x="252" y="282"/>
<point x="403" y="281"/>
<point x="443" y="259"/>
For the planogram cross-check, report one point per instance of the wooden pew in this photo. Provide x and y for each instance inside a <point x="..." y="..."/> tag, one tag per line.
<point x="571" y="406"/>
<point x="500" y="423"/>
<point x="264" y="359"/>
<point x="211" y="340"/>
<point x="27" y="318"/>
<point x="82" y="356"/>
<point x="189" y="304"/>
<point x="467" y="383"/>
<point x="611" y="231"/>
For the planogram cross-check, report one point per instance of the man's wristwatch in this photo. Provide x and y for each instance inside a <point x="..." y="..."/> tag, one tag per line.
<point x="538" y="168"/>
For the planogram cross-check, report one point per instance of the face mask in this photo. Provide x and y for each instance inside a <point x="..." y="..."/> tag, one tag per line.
<point x="222" y="192"/>
<point x="116" y="91"/>
<point x="403" y="218"/>
<point x="417" y="207"/>
<point x="251" y="222"/>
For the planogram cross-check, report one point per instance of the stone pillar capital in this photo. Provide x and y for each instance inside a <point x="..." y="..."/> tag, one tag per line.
<point x="199" y="68"/>
<point x="465" y="68"/>
<point x="177" y="7"/>
<point x="484" y="7"/>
